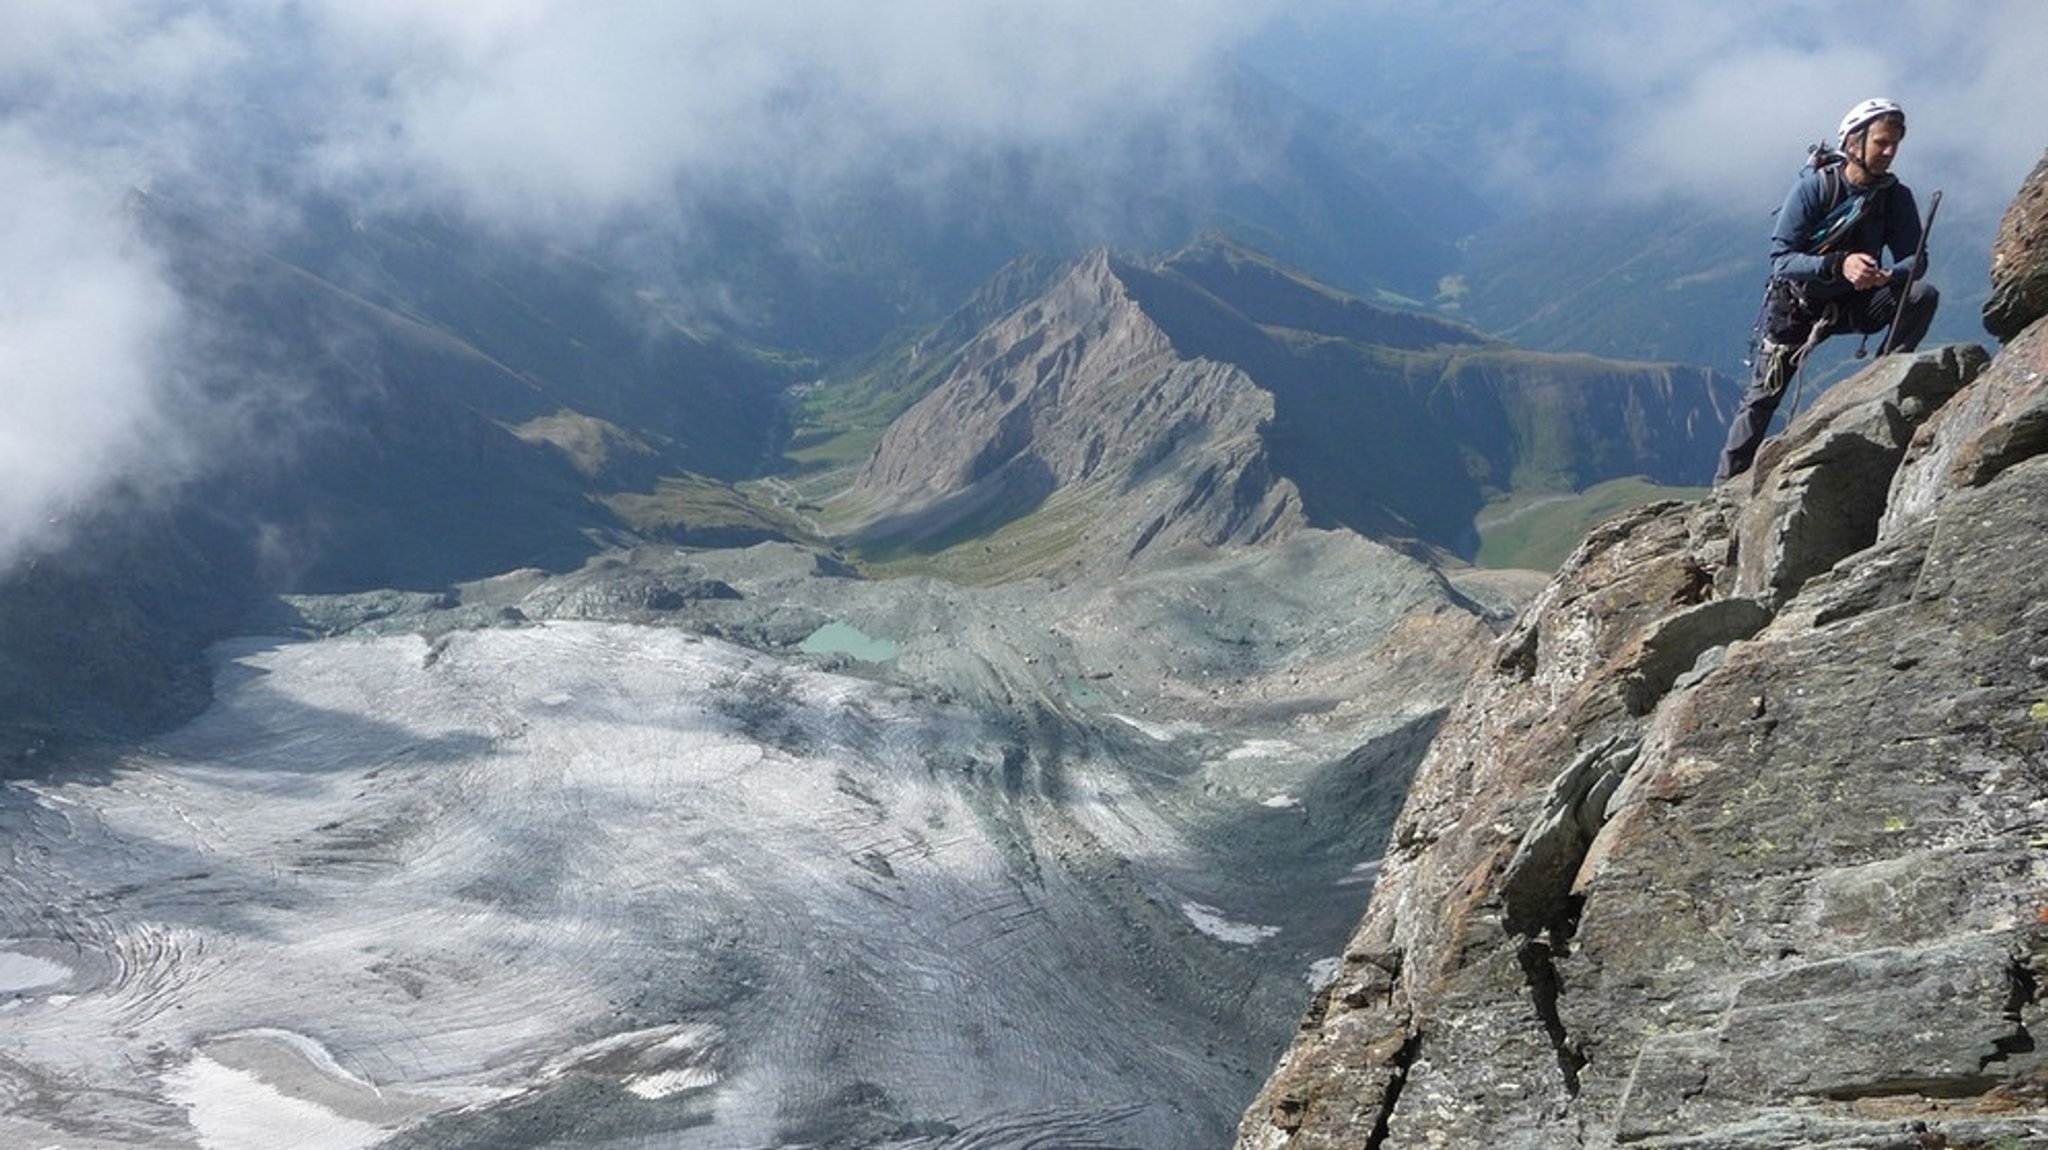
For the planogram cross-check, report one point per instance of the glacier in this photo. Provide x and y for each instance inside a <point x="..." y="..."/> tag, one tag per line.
<point x="602" y="884"/>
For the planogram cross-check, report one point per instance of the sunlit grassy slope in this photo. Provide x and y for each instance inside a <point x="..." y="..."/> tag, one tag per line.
<point x="1538" y="532"/>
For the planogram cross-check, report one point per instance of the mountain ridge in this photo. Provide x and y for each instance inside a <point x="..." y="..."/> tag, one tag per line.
<point x="1268" y="402"/>
<point x="1075" y="388"/>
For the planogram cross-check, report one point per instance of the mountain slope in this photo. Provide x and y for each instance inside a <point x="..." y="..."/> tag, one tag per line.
<point x="581" y="335"/>
<point x="1218" y="398"/>
<point x="1078" y="389"/>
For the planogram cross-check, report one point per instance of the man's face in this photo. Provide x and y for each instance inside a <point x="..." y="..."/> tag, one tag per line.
<point x="1881" y="145"/>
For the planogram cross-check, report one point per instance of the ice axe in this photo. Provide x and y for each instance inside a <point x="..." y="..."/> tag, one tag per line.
<point x="1919" y="269"/>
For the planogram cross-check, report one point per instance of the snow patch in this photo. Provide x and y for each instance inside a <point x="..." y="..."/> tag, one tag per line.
<point x="1212" y="922"/>
<point x="1157" y="732"/>
<point x="235" y="1110"/>
<point x="1262" y="749"/>
<point x="22" y="973"/>
<point x="669" y="1083"/>
<point x="659" y="1062"/>
<point x="1365" y="872"/>
<point x="1323" y="971"/>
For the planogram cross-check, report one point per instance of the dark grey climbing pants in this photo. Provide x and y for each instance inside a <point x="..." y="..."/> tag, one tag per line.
<point x="1787" y="328"/>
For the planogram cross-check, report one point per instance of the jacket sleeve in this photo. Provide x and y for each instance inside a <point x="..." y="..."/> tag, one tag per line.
<point x="1792" y="240"/>
<point x="1902" y="234"/>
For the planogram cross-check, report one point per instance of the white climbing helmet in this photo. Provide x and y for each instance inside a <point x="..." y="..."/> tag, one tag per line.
<point x="1868" y="112"/>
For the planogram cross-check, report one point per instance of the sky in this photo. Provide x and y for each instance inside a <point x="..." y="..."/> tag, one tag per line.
<point x="552" y="117"/>
<point x="1618" y="98"/>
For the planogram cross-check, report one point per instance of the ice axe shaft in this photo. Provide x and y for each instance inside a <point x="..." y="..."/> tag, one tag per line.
<point x="1919" y="269"/>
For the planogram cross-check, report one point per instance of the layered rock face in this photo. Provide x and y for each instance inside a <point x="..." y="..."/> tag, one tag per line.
<point x="1740" y="838"/>
<point x="1081" y="392"/>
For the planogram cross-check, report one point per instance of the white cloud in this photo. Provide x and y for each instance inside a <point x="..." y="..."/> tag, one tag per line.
<point x="1737" y="124"/>
<point x="96" y="97"/>
<point x="35" y="32"/>
<point x="550" y="109"/>
<point x="1591" y="99"/>
<point x="1719" y="99"/>
<point x="85" y="316"/>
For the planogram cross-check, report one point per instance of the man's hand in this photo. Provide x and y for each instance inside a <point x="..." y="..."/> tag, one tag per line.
<point x="1863" y="272"/>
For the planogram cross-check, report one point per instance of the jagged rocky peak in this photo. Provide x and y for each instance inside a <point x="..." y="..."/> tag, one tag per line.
<point x="1735" y="839"/>
<point x="1078" y="406"/>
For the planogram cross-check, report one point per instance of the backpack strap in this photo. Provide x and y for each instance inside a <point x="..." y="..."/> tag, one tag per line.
<point x="1845" y="211"/>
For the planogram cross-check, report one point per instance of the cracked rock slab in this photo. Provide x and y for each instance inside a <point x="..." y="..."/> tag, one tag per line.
<point x="2002" y="420"/>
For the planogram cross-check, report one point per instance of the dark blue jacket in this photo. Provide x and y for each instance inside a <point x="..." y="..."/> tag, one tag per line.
<point x="1893" y="226"/>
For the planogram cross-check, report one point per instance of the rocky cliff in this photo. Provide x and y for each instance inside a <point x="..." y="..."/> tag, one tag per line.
<point x="1740" y="836"/>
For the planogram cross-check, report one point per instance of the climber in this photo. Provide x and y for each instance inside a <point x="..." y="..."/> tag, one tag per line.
<point x="1827" y="274"/>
